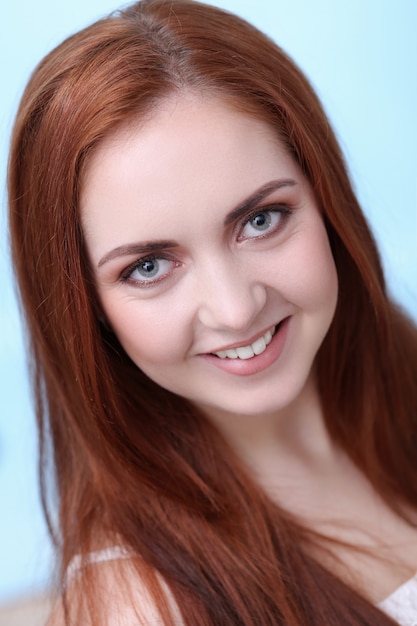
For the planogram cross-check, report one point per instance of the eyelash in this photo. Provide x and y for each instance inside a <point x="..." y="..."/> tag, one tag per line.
<point x="284" y="211"/>
<point x="127" y="273"/>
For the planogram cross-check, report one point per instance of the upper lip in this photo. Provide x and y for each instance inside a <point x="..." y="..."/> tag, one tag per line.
<point x="246" y="342"/>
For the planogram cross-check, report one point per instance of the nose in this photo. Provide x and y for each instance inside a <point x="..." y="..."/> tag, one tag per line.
<point x="228" y="297"/>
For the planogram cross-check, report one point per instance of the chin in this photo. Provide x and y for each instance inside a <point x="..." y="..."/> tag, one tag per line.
<point x="252" y="404"/>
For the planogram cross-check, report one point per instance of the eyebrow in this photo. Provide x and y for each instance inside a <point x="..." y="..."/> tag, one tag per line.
<point x="153" y="247"/>
<point x="254" y="200"/>
<point x="137" y="248"/>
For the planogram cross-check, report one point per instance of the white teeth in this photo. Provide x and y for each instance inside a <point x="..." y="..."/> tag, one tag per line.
<point x="259" y="345"/>
<point x="247" y="352"/>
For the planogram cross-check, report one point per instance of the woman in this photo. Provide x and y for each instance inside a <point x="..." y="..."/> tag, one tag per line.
<point x="228" y="395"/>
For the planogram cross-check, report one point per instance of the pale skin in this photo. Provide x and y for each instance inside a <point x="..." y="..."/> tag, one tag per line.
<point x="185" y="270"/>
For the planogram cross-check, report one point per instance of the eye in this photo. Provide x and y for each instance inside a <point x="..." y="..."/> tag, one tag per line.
<point x="146" y="272"/>
<point x="264" y="222"/>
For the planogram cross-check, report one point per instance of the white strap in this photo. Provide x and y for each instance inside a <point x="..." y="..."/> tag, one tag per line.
<point x="402" y="604"/>
<point x="112" y="553"/>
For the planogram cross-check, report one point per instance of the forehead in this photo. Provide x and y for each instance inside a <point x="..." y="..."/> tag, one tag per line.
<point x="192" y="156"/>
<point x="188" y="121"/>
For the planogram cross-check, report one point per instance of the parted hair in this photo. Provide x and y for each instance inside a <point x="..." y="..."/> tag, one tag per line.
<point x="133" y="464"/>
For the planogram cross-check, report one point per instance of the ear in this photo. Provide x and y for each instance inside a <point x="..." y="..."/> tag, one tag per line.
<point x="101" y="317"/>
<point x="104" y="324"/>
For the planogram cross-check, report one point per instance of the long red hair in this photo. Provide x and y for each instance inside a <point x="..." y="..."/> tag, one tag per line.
<point x="130" y="459"/>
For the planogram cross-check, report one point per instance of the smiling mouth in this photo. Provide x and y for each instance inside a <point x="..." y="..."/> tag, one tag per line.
<point x="251" y="350"/>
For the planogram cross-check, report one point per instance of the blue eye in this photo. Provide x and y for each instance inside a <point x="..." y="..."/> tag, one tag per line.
<point x="148" y="271"/>
<point x="263" y="222"/>
<point x="148" y="268"/>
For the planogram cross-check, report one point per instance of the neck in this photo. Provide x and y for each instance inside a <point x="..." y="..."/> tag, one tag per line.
<point x="293" y="437"/>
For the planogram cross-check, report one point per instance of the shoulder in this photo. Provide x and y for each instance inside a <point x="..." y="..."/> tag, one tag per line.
<point x="113" y="591"/>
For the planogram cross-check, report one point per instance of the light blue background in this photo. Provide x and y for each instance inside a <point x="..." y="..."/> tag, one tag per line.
<point x="362" y="57"/>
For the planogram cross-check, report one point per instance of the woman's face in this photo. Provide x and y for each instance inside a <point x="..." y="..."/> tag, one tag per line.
<point x="210" y="256"/>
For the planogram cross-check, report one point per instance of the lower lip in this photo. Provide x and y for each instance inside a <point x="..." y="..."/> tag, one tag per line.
<point x="258" y="363"/>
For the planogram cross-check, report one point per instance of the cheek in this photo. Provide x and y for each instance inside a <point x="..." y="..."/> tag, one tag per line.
<point x="320" y="280"/>
<point x="145" y="331"/>
<point x="312" y="278"/>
